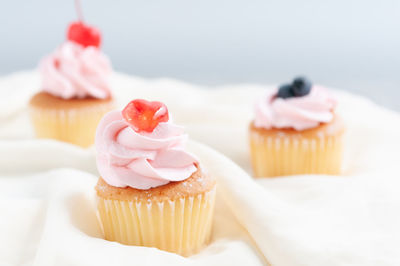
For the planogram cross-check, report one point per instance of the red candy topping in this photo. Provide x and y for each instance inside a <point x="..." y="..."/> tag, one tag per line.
<point x="83" y="34"/>
<point x="144" y="115"/>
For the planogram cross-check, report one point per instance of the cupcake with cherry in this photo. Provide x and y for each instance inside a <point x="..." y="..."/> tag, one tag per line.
<point x="296" y="131"/>
<point x="151" y="192"/>
<point x="75" y="91"/>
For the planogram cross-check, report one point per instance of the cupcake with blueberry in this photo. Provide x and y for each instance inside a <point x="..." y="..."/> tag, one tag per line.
<point x="296" y="131"/>
<point x="152" y="192"/>
<point x="75" y="91"/>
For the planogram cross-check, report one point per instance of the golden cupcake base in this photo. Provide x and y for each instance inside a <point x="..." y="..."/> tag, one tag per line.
<point x="281" y="152"/>
<point x="74" y="120"/>
<point x="182" y="226"/>
<point x="176" y="217"/>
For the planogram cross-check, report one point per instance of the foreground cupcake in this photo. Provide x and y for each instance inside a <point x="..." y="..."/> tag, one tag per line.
<point x="296" y="131"/>
<point x="75" y="89"/>
<point x="151" y="191"/>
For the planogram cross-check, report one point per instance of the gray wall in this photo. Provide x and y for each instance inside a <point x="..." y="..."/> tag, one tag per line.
<point x="353" y="45"/>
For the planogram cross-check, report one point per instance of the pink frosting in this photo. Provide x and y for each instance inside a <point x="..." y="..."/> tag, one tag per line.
<point x="141" y="160"/>
<point x="74" y="71"/>
<point x="299" y="113"/>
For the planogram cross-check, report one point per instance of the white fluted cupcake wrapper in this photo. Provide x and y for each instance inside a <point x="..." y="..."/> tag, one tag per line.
<point x="181" y="226"/>
<point x="293" y="155"/>
<point x="77" y="126"/>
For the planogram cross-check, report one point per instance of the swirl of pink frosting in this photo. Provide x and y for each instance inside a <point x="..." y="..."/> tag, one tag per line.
<point x="141" y="160"/>
<point x="74" y="71"/>
<point x="299" y="113"/>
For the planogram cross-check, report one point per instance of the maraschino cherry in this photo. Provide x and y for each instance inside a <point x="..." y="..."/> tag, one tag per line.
<point x="144" y="115"/>
<point x="82" y="33"/>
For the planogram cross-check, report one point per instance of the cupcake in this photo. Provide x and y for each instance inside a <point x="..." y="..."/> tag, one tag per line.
<point x="151" y="192"/>
<point x="75" y="91"/>
<point x="296" y="131"/>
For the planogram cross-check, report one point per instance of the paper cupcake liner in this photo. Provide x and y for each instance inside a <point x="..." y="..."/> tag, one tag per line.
<point x="182" y="226"/>
<point x="290" y="155"/>
<point x="77" y="126"/>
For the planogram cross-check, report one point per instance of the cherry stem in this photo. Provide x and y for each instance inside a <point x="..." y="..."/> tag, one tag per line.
<point x="79" y="10"/>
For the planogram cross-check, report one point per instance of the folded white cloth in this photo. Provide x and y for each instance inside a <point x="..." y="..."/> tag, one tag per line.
<point x="46" y="187"/>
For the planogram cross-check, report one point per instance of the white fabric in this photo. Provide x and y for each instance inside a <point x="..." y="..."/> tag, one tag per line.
<point x="46" y="187"/>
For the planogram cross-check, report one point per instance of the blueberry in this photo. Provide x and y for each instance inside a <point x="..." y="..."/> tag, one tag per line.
<point x="301" y="86"/>
<point x="285" y="91"/>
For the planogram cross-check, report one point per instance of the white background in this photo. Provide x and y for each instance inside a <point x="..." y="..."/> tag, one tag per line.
<point x="354" y="45"/>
